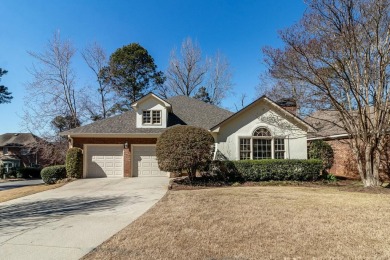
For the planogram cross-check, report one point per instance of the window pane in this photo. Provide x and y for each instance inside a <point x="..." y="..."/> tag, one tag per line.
<point x="262" y="149"/>
<point x="146" y="117"/>
<point x="261" y="131"/>
<point x="279" y="148"/>
<point x="245" y="149"/>
<point x="157" y="117"/>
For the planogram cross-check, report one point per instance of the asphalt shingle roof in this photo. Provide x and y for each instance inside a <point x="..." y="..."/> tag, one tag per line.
<point x="185" y="111"/>
<point x="17" y="139"/>
<point x="326" y="122"/>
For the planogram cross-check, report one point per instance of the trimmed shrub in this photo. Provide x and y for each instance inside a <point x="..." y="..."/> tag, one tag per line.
<point x="184" y="148"/>
<point x="2" y="171"/>
<point x="74" y="163"/>
<point x="52" y="174"/>
<point x="323" y="151"/>
<point x="224" y="171"/>
<point x="279" y="169"/>
<point x="29" y="172"/>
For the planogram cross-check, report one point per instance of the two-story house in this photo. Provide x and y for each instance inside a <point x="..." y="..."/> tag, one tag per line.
<point x="16" y="150"/>
<point x="125" y="145"/>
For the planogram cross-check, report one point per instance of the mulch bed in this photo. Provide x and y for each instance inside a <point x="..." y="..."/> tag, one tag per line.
<point x="183" y="183"/>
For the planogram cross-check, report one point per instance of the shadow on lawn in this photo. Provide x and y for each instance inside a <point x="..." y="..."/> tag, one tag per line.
<point x="30" y="214"/>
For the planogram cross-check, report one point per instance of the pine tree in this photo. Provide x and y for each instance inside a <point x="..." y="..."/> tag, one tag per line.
<point x="5" y="95"/>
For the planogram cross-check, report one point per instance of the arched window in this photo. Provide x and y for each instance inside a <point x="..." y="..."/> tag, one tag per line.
<point x="261" y="145"/>
<point x="261" y="131"/>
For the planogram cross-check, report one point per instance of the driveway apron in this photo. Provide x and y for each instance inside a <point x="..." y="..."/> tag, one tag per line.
<point x="70" y="221"/>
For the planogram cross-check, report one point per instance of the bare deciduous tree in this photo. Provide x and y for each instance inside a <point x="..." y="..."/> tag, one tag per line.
<point x="307" y="99"/>
<point x="52" y="92"/>
<point x="341" y="48"/>
<point x="241" y="104"/>
<point x="187" y="72"/>
<point x="219" y="81"/>
<point x="190" y="72"/>
<point x="96" y="59"/>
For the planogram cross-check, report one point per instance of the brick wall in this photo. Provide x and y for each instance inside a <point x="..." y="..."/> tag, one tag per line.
<point x="79" y="142"/>
<point x="25" y="159"/>
<point x="344" y="163"/>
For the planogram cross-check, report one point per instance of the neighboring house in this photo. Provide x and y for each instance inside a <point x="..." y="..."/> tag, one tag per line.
<point x="329" y="129"/>
<point x="16" y="150"/>
<point x="124" y="145"/>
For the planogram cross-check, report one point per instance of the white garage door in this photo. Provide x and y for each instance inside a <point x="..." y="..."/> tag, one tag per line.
<point x="145" y="162"/>
<point x="104" y="161"/>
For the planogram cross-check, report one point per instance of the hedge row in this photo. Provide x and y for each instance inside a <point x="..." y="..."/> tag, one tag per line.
<point x="52" y="174"/>
<point x="278" y="169"/>
<point x="29" y="172"/>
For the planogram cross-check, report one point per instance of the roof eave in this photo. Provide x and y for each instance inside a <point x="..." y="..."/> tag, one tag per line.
<point x="308" y="127"/>
<point x="113" y="135"/>
<point x="329" y="137"/>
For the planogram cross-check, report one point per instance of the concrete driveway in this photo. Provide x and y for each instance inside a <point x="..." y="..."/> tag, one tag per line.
<point x="68" y="222"/>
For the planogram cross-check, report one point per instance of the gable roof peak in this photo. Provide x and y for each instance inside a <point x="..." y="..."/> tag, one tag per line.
<point x="273" y="104"/>
<point x="135" y="104"/>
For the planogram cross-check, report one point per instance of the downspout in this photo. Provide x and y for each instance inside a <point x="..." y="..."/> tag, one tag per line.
<point x="215" y="151"/>
<point x="71" y="141"/>
<point x="215" y="145"/>
<point x="288" y="143"/>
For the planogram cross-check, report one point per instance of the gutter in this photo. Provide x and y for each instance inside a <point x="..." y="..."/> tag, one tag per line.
<point x="339" y="136"/>
<point x="111" y="135"/>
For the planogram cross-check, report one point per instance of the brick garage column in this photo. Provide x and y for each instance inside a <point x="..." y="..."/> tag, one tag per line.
<point x="126" y="163"/>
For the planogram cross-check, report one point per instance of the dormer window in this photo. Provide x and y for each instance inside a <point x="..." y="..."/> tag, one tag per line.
<point x="152" y="117"/>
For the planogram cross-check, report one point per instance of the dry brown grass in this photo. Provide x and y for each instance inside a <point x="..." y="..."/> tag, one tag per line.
<point x="11" y="194"/>
<point x="257" y="223"/>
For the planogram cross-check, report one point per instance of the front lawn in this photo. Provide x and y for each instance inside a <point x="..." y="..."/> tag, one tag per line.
<point x="15" y="193"/>
<point x="257" y="223"/>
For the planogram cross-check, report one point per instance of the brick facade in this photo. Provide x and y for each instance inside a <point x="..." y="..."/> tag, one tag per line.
<point x="26" y="160"/>
<point x="79" y="142"/>
<point x="344" y="163"/>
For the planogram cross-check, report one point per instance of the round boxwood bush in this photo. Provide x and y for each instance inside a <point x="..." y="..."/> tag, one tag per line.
<point x="74" y="163"/>
<point x="184" y="148"/>
<point x="52" y="174"/>
<point x="321" y="150"/>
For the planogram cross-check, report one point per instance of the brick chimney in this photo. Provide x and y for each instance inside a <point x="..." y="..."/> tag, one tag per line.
<point x="289" y="104"/>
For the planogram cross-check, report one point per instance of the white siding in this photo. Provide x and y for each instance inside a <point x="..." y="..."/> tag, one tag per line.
<point x="261" y="115"/>
<point x="152" y="104"/>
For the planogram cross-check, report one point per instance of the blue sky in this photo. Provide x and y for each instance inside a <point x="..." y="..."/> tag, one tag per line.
<point x="239" y="29"/>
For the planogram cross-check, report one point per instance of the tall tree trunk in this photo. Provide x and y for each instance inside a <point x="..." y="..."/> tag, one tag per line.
<point x="371" y="168"/>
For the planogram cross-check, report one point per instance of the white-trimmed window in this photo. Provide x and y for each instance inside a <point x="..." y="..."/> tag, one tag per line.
<point x="245" y="149"/>
<point x="5" y="150"/>
<point x="152" y="117"/>
<point x="261" y="145"/>
<point x="279" y="148"/>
